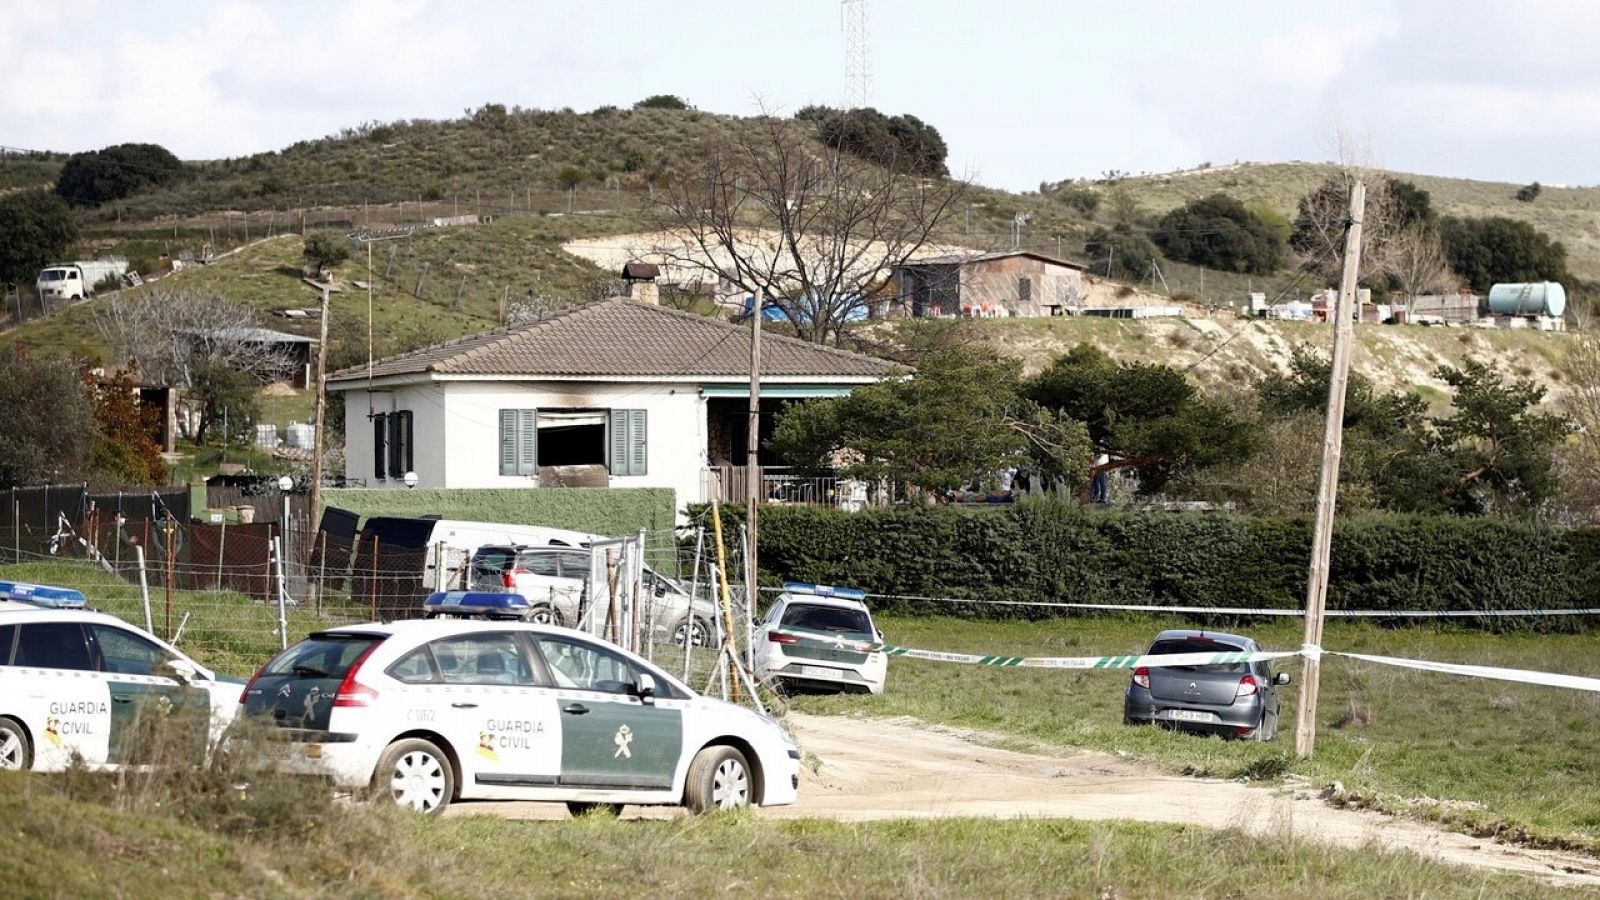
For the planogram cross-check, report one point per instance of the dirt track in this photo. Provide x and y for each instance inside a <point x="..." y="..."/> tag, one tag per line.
<point x="895" y="769"/>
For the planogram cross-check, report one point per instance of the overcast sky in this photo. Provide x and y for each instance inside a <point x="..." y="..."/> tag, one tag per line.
<point x="1022" y="91"/>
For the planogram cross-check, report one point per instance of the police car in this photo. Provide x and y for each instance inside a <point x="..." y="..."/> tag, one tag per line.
<point x="799" y="641"/>
<point x="74" y="683"/>
<point x="486" y="706"/>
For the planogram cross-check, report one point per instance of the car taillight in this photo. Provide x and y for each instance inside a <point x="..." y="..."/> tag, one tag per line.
<point x="251" y="683"/>
<point x="778" y="637"/>
<point x="1141" y="677"/>
<point x="508" y="578"/>
<point x="1242" y="730"/>
<point x="352" y="692"/>
<point x="1247" y="687"/>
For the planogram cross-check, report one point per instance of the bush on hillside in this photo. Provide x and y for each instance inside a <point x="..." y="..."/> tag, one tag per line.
<point x="1218" y="232"/>
<point x="92" y="178"/>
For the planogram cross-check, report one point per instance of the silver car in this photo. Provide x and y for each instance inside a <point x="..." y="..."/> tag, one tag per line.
<point x="555" y="581"/>
<point x="1232" y="699"/>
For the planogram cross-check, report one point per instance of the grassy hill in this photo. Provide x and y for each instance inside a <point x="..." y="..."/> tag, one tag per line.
<point x="517" y="166"/>
<point x="1569" y="215"/>
<point x="436" y="285"/>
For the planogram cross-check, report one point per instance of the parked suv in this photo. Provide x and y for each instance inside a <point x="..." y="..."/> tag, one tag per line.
<point x="555" y="581"/>
<point x="795" y="643"/>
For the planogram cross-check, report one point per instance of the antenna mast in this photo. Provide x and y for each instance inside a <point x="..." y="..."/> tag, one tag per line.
<point x="857" y="58"/>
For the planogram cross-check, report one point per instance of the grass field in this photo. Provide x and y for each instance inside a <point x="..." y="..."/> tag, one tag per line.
<point x="1488" y="757"/>
<point x="1491" y="758"/>
<point x="67" y="838"/>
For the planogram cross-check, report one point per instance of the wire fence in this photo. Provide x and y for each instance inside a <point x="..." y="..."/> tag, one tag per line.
<point x="235" y="593"/>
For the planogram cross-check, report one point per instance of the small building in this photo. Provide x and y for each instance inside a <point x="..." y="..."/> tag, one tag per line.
<point x="295" y="349"/>
<point x="985" y="285"/>
<point x="618" y="393"/>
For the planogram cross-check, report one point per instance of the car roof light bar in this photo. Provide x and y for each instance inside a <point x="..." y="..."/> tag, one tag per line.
<point x="824" y="590"/>
<point x="43" y="595"/>
<point x="476" y="603"/>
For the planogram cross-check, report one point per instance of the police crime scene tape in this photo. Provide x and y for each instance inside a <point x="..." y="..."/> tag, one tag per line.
<point x="1134" y="661"/>
<point x="1525" y="676"/>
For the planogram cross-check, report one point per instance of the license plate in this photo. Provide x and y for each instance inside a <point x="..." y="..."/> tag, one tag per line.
<point x="820" y="672"/>
<point x="1191" y="715"/>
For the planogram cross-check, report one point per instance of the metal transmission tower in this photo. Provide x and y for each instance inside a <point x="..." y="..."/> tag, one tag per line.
<point x="857" y="56"/>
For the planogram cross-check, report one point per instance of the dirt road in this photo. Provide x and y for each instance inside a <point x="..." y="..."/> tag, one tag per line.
<point x="895" y="769"/>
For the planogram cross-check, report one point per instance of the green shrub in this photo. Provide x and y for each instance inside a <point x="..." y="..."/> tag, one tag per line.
<point x="1052" y="551"/>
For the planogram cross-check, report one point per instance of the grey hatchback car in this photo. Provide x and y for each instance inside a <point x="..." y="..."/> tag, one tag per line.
<point x="1232" y="699"/>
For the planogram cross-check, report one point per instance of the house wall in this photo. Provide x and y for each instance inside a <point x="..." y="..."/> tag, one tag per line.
<point x="428" y="433"/>
<point x="991" y="287"/>
<point x="469" y="413"/>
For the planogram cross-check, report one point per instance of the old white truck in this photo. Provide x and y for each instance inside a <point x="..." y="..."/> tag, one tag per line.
<point x="70" y="281"/>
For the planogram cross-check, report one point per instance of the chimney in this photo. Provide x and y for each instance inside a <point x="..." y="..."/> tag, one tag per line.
<point x="641" y="280"/>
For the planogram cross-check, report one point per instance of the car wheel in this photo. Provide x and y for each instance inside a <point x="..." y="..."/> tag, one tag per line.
<point x="15" y="753"/>
<point x="698" y="631"/>
<point x="719" y="778"/>
<point x="413" y="773"/>
<point x="584" y="808"/>
<point x="543" y="614"/>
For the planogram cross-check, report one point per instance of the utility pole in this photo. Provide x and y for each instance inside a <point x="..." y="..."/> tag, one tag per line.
<point x="322" y="403"/>
<point x="752" y="478"/>
<point x="1305" y="734"/>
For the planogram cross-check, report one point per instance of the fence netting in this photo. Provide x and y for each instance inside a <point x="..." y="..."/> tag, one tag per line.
<point x="234" y="593"/>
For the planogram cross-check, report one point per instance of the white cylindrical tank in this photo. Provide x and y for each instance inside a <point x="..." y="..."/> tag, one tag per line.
<point x="301" y="436"/>
<point x="1538" y="298"/>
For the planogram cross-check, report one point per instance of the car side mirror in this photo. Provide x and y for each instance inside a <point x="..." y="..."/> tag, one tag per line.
<point x="1281" y="678"/>
<point x="184" y="670"/>
<point x="646" y="687"/>
<point x="661" y="588"/>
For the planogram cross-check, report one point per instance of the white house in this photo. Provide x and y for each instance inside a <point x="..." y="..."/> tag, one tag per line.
<point x="618" y="393"/>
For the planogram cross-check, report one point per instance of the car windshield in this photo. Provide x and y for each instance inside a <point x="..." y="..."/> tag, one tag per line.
<point x="831" y="619"/>
<point x="492" y="560"/>
<point x="322" y="656"/>
<point x="1199" y="645"/>
<point x="52" y="275"/>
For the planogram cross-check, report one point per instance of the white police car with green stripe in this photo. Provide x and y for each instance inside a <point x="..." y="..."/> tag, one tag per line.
<point x="491" y="707"/>
<point x="74" y="684"/>
<point x="820" y="636"/>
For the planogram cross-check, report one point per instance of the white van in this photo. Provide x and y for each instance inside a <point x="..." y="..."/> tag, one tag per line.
<point x="459" y="539"/>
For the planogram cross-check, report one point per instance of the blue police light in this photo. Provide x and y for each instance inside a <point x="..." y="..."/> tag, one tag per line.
<point x="824" y="590"/>
<point x="493" y="605"/>
<point x="43" y="595"/>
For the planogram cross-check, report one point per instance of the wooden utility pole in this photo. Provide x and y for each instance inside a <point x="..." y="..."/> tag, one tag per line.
<point x="752" y="477"/>
<point x="321" y="408"/>
<point x="1305" y="735"/>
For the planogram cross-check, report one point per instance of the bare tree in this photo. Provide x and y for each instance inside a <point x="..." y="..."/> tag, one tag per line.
<point x="1418" y="263"/>
<point x="189" y="341"/>
<point x="813" y="230"/>
<point x="1579" y="456"/>
<point x="169" y="333"/>
<point x="1324" y="213"/>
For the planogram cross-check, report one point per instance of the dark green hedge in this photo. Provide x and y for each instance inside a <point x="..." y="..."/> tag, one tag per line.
<point x="1051" y="552"/>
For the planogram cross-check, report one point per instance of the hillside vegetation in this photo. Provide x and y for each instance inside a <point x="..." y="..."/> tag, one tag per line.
<point x="1570" y="215"/>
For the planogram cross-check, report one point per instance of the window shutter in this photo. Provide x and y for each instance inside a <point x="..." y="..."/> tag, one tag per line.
<point x="408" y="460"/>
<point x="508" y="442"/>
<point x="396" y="438"/>
<point x="628" y="445"/>
<point x="380" y="445"/>
<point x="527" y="442"/>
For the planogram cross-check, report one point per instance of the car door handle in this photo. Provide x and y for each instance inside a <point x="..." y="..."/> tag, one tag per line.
<point x="574" y="709"/>
<point x="121" y="699"/>
<point x="465" y="705"/>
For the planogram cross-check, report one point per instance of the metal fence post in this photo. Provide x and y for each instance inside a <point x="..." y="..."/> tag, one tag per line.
<point x="144" y="590"/>
<point x="283" y="592"/>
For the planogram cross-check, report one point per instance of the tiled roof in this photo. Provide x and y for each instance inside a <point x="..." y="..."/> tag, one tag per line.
<point x="968" y="258"/>
<point x="625" y="338"/>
